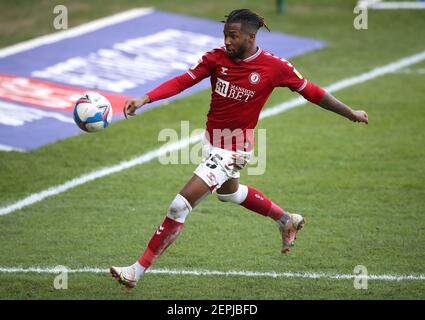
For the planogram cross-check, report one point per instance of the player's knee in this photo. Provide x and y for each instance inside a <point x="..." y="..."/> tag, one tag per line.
<point x="179" y="209"/>
<point x="237" y="197"/>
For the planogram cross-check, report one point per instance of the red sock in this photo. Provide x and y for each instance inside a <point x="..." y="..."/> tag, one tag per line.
<point x="258" y="202"/>
<point x="160" y="241"/>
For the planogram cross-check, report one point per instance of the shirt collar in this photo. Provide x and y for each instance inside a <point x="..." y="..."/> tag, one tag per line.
<point x="255" y="55"/>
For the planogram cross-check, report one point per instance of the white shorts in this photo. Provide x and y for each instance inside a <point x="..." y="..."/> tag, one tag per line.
<point x="219" y="165"/>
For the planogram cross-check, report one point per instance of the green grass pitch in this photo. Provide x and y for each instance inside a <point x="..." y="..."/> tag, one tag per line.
<point x="361" y="188"/>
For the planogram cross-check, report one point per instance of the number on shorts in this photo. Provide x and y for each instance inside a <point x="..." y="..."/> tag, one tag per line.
<point x="212" y="160"/>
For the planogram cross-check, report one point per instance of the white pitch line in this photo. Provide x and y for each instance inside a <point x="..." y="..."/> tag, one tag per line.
<point x="231" y="273"/>
<point x="75" y="31"/>
<point x="146" y="157"/>
<point x="392" y="5"/>
<point x="37" y="197"/>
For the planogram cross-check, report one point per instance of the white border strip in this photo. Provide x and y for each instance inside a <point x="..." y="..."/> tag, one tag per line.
<point x="233" y="273"/>
<point x="75" y="31"/>
<point x="391" y="5"/>
<point x="39" y="196"/>
<point x="398" y="5"/>
<point x="367" y="3"/>
<point x="8" y="148"/>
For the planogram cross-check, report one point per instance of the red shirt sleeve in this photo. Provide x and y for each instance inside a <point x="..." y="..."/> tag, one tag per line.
<point x="171" y="87"/>
<point x="174" y="86"/>
<point x="287" y="76"/>
<point x="204" y="67"/>
<point x="312" y="93"/>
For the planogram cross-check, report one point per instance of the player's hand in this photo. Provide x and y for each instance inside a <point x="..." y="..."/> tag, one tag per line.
<point x="132" y="105"/>
<point x="360" y="116"/>
<point x="239" y="161"/>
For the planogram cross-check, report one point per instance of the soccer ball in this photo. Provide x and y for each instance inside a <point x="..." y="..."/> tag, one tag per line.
<point x="92" y="112"/>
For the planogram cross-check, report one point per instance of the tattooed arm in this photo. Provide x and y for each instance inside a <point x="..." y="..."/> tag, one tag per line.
<point x="329" y="102"/>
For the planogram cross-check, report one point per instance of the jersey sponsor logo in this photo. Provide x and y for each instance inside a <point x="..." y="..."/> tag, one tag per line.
<point x="224" y="71"/>
<point x="254" y="77"/>
<point x="221" y="87"/>
<point x="232" y="91"/>
<point x="239" y="93"/>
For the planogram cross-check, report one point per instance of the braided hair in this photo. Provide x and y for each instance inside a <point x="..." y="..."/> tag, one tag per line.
<point x="250" y="21"/>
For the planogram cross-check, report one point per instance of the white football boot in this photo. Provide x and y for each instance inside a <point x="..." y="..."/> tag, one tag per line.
<point x="289" y="230"/>
<point x="125" y="276"/>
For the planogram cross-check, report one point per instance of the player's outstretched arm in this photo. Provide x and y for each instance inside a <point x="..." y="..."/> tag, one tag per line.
<point x="165" y="90"/>
<point x="324" y="99"/>
<point x="331" y="103"/>
<point x="132" y="105"/>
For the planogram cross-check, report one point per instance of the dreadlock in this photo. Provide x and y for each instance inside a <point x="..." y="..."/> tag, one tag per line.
<point x="250" y="20"/>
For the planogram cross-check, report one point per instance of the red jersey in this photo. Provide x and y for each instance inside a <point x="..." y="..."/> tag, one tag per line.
<point x="241" y="88"/>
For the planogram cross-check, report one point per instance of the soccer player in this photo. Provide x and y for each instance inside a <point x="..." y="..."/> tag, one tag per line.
<point x="242" y="78"/>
